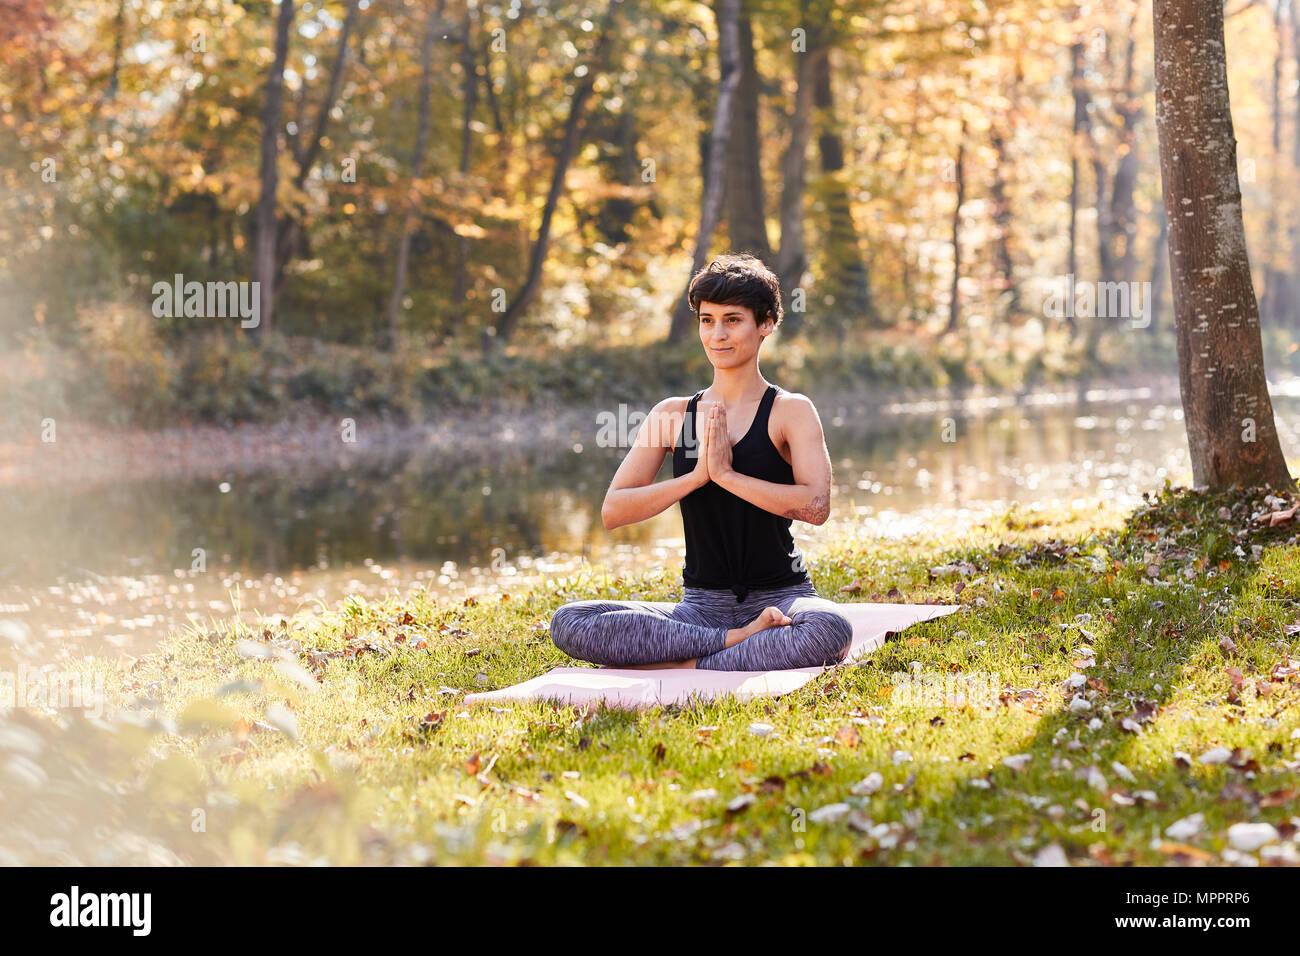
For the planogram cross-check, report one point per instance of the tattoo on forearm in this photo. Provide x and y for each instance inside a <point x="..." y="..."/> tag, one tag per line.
<point x="815" y="511"/>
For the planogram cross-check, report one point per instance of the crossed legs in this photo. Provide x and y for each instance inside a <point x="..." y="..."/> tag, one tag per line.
<point x="772" y="630"/>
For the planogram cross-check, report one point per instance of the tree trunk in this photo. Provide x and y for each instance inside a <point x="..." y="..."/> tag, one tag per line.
<point x="469" y="98"/>
<point x="394" y="312"/>
<point x="1123" y="210"/>
<point x="728" y="16"/>
<point x="743" y="184"/>
<point x="792" y="261"/>
<point x="850" y="284"/>
<point x="1226" y="405"/>
<point x="954" y="305"/>
<point x="1105" y="235"/>
<point x="1159" y="272"/>
<point x="500" y="336"/>
<point x="266" y="207"/>
<point x="307" y="157"/>
<point x="1271" y="303"/>
<point x="119" y="36"/>
<point x="1080" y="121"/>
<point x="1005" y="265"/>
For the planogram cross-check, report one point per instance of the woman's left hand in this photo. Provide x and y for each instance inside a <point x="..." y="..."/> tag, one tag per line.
<point x="719" y="443"/>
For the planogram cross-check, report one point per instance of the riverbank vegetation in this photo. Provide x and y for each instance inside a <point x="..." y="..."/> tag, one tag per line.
<point x="124" y="375"/>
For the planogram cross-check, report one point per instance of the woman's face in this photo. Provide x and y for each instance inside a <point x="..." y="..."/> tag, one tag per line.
<point x="729" y="335"/>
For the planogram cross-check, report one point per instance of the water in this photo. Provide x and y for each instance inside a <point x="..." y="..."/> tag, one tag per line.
<point x="114" y="567"/>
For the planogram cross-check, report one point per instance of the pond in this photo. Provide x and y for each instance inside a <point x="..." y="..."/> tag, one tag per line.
<point x="113" y="568"/>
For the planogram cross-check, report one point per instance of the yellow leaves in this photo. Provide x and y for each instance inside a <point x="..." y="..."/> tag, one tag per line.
<point x="1184" y="849"/>
<point x="847" y="736"/>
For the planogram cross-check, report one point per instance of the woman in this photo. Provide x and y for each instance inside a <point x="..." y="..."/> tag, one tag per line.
<point x="760" y="461"/>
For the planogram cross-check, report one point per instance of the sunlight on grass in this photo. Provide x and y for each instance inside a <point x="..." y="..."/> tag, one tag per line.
<point x="1135" y="673"/>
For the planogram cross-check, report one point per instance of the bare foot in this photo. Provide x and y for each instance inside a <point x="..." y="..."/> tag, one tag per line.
<point x="771" y="616"/>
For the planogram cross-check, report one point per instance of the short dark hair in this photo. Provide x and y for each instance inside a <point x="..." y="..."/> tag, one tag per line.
<point x="738" y="279"/>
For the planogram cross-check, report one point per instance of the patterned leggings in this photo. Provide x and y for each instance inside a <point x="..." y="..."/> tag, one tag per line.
<point x="625" y="633"/>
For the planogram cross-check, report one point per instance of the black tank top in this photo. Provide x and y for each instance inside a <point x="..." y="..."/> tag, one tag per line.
<point x="732" y="544"/>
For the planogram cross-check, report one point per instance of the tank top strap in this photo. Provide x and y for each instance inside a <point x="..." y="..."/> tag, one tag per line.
<point x="764" y="410"/>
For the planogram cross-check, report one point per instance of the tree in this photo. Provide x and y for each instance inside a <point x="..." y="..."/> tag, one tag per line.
<point x="728" y="14"/>
<point x="272" y="112"/>
<point x="563" y="158"/>
<point x="743" y="183"/>
<point x="1226" y="405"/>
<point x="417" y="169"/>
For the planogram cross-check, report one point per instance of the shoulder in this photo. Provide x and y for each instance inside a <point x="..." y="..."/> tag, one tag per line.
<point x="667" y="417"/>
<point x="675" y="403"/>
<point x="795" y="409"/>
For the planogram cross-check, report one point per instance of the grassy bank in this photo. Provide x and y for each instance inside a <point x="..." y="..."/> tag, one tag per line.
<point x="120" y="372"/>
<point x="340" y="736"/>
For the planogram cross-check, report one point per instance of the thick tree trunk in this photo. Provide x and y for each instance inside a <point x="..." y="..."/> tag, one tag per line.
<point x="266" y="208"/>
<point x="743" y="184"/>
<point x="1226" y="405"/>
<point x="728" y="16"/>
<point x="499" y="337"/>
<point x="394" y="312"/>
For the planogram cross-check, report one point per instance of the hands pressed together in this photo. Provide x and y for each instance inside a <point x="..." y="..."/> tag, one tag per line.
<point x="714" y="448"/>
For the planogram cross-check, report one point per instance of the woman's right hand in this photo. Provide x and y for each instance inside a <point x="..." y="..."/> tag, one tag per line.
<point x="701" y="471"/>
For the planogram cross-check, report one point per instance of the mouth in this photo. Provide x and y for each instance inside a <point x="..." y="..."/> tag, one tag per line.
<point x="720" y="351"/>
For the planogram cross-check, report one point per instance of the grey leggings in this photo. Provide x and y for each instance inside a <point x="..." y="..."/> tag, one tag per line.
<point x="624" y="633"/>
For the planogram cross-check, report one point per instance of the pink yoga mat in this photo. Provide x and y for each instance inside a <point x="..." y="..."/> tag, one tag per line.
<point x="617" y="687"/>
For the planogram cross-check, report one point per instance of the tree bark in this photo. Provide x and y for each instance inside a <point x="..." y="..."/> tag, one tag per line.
<point x="1226" y="405"/>
<point x="728" y="16"/>
<point x="743" y="184"/>
<point x="394" y="312"/>
<point x="272" y="114"/>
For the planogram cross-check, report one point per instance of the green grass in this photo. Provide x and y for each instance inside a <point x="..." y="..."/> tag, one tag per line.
<point x="387" y="768"/>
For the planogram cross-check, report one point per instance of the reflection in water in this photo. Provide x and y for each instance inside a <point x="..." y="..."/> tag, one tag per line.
<point x="117" y="566"/>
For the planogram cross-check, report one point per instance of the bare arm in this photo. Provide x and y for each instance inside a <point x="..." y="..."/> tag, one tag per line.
<point x="631" y="496"/>
<point x="809" y="498"/>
